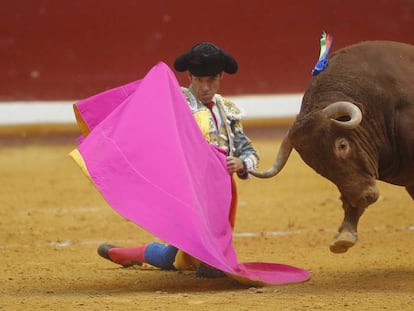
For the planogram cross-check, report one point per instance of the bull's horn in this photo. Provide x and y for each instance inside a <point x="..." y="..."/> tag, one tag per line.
<point x="344" y="109"/>
<point x="281" y="159"/>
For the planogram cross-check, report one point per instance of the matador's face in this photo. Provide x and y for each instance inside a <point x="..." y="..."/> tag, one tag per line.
<point x="204" y="88"/>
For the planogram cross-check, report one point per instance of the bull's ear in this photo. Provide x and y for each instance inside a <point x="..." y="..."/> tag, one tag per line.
<point x="341" y="148"/>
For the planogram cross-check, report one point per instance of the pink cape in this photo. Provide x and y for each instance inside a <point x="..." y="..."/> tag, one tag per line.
<point x="148" y="158"/>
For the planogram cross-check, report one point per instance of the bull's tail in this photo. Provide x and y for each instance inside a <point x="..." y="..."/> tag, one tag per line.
<point x="281" y="159"/>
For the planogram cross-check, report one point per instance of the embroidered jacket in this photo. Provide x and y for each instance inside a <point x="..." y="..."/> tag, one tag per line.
<point x="228" y="135"/>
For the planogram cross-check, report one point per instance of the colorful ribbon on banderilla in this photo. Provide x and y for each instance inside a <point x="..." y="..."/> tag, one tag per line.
<point x="326" y="42"/>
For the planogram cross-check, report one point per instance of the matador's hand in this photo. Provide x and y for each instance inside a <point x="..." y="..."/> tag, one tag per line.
<point x="234" y="165"/>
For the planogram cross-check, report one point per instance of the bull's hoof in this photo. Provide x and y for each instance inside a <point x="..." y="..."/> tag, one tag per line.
<point x="343" y="241"/>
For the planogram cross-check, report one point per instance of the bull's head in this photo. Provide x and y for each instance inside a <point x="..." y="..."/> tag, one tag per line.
<point x="329" y="141"/>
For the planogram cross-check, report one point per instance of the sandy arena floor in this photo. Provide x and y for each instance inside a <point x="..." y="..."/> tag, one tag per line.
<point x="52" y="220"/>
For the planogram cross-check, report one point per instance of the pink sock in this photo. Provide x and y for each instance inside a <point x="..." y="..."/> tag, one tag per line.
<point x="127" y="255"/>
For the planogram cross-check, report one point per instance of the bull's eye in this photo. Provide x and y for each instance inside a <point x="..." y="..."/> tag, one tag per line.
<point x="341" y="148"/>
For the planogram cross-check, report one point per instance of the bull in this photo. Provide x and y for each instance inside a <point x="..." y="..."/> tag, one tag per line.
<point x="356" y="126"/>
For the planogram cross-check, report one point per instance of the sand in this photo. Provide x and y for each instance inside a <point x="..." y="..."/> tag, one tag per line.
<point x="52" y="220"/>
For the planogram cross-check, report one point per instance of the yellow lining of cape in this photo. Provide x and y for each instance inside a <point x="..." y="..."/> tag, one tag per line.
<point x="83" y="127"/>
<point x="77" y="157"/>
<point x="202" y="118"/>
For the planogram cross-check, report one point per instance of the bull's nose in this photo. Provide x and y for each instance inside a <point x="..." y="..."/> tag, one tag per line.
<point x="359" y="195"/>
<point x="363" y="198"/>
<point x="371" y="197"/>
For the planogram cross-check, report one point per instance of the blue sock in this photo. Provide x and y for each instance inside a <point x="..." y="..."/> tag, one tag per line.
<point x="160" y="255"/>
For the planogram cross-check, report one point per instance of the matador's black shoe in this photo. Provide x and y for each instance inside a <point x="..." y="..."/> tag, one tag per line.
<point x="204" y="271"/>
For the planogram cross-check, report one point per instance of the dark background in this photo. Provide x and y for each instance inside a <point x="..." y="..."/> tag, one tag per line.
<point x="60" y="50"/>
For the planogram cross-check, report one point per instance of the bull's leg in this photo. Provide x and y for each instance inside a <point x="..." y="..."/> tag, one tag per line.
<point x="348" y="234"/>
